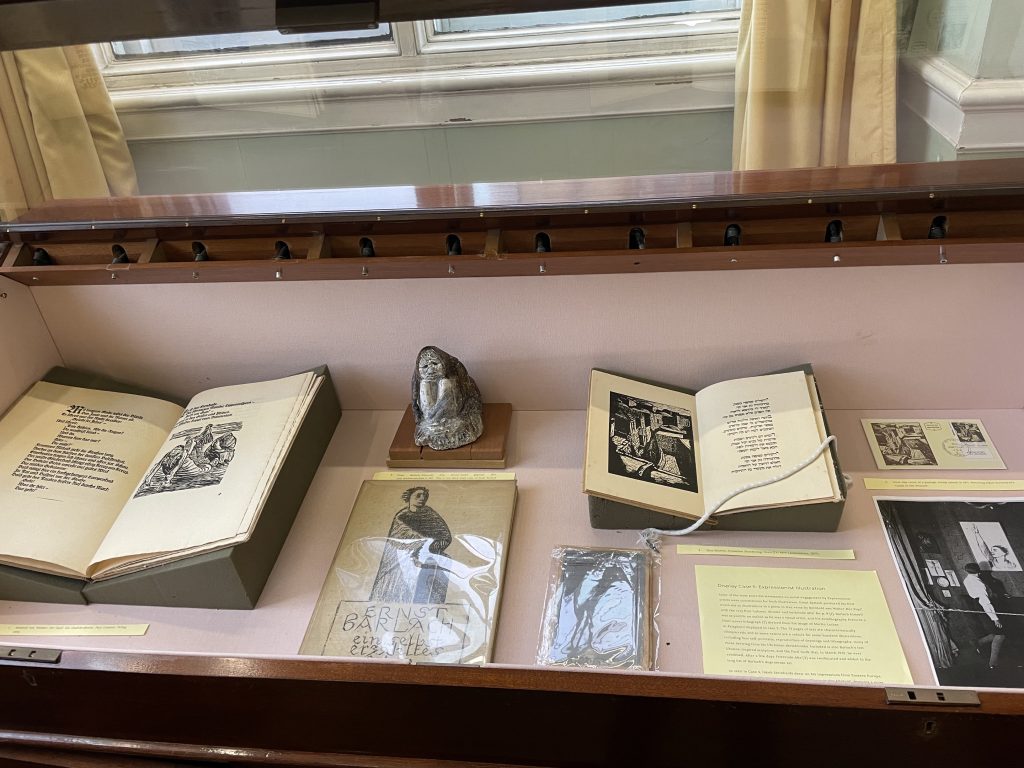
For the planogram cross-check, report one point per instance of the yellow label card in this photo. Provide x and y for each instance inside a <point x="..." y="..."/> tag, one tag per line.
<point x="417" y="475"/>
<point x="798" y="624"/>
<point x="75" y="630"/>
<point x="818" y="554"/>
<point x="940" y="484"/>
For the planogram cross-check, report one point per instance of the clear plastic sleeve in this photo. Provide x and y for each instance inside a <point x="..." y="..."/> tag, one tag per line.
<point x="417" y="574"/>
<point x="601" y="609"/>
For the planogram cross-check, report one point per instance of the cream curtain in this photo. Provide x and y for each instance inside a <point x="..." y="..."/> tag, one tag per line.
<point x="815" y="84"/>
<point x="59" y="134"/>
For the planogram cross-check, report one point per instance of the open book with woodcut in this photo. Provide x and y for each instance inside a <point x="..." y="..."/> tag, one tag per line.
<point x="660" y="456"/>
<point x="111" y="496"/>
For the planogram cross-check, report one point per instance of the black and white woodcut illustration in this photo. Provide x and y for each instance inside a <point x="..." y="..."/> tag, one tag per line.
<point x="199" y="460"/>
<point x="903" y="444"/>
<point x="652" y="442"/>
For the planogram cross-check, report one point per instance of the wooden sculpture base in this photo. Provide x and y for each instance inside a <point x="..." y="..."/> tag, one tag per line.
<point x="488" y="452"/>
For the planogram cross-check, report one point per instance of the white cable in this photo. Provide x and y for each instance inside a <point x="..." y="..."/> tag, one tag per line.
<point x="649" y="536"/>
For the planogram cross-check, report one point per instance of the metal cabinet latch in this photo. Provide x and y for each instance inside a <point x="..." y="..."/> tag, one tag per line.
<point x="932" y="697"/>
<point x="41" y="655"/>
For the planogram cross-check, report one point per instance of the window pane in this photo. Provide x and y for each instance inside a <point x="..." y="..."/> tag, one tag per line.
<point x="248" y="41"/>
<point x="581" y="16"/>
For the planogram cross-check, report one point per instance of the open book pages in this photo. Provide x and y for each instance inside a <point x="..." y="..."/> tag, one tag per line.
<point x="208" y="482"/>
<point x="671" y="451"/>
<point x="69" y="460"/>
<point x="757" y="428"/>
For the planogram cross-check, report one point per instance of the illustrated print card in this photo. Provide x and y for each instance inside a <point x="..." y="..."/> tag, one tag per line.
<point x="931" y="444"/>
<point x="418" y="573"/>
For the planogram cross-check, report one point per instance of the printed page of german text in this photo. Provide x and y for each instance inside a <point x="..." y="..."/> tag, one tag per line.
<point x="69" y="460"/>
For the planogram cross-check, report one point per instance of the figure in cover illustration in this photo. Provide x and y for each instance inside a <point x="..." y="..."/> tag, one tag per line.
<point x="413" y="567"/>
<point x="651" y="442"/>
<point x="199" y="460"/>
<point x="903" y="444"/>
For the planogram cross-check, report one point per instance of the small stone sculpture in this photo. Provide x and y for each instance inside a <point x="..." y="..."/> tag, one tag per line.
<point x="445" y="401"/>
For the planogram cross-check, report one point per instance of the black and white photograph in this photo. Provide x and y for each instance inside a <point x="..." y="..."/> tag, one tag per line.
<point x="989" y="544"/>
<point x="967" y="432"/>
<point x="903" y="444"/>
<point x="199" y="460"/>
<point x="955" y="558"/>
<point x="652" y="442"/>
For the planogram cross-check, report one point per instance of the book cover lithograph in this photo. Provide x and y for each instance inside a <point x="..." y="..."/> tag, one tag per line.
<point x="418" y="573"/>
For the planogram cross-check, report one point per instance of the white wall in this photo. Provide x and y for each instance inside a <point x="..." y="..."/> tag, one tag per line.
<point x="962" y="82"/>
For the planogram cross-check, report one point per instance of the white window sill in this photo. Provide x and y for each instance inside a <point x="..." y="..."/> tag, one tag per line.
<point x="413" y="82"/>
<point x="477" y="95"/>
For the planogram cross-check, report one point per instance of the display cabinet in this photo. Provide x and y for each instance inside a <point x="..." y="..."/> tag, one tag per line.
<point x="632" y="275"/>
<point x="899" y="283"/>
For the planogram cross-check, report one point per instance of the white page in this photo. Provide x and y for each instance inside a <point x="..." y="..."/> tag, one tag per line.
<point x="70" y="459"/>
<point x="189" y="498"/>
<point x="754" y="428"/>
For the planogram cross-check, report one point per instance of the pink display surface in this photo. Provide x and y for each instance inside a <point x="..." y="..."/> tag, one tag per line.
<point x="936" y="341"/>
<point x="551" y="511"/>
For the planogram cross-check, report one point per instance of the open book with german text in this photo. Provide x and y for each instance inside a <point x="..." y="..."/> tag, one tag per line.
<point x="96" y="484"/>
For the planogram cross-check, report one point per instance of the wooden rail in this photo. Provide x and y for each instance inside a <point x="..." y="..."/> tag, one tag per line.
<point x="952" y="213"/>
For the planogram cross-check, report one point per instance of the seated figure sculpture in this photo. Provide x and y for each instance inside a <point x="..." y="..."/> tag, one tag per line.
<point x="445" y="402"/>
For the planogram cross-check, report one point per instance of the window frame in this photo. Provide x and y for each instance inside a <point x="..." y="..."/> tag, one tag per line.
<point x="492" y="78"/>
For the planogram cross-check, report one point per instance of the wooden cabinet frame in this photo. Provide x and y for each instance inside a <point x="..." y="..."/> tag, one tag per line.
<point x="95" y="705"/>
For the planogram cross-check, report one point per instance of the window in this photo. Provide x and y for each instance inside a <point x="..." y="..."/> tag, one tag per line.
<point x="236" y="43"/>
<point x="586" y="18"/>
<point x="661" y="57"/>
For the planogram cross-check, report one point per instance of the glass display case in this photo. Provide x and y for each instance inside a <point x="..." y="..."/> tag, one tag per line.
<point x="539" y="195"/>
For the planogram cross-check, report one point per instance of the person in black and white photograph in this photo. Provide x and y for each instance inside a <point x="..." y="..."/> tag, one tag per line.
<point x="967" y="432"/>
<point x="951" y="554"/>
<point x="651" y="442"/>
